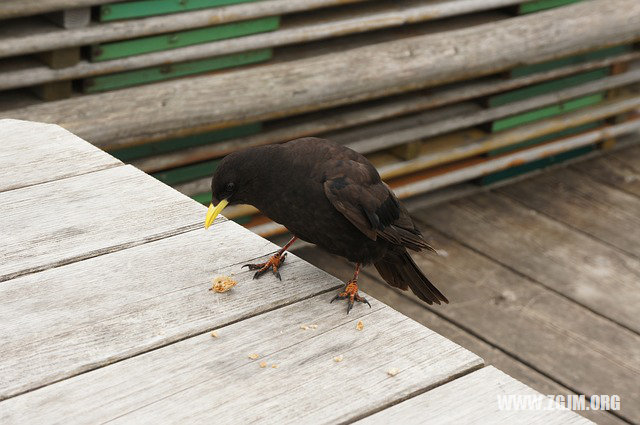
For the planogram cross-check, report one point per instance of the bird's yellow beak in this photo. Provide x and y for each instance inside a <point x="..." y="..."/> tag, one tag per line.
<point x="213" y="212"/>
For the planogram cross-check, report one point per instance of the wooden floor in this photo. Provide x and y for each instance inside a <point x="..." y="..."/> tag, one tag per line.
<point x="543" y="276"/>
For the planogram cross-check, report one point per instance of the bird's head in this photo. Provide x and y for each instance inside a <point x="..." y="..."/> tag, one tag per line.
<point x="229" y="185"/>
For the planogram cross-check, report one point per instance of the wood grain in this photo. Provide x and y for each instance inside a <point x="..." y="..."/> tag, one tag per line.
<point x="573" y="198"/>
<point x="614" y="171"/>
<point x="74" y="318"/>
<point x="562" y="259"/>
<point x="472" y="396"/>
<point x="212" y="379"/>
<point x="340" y="78"/>
<point x="32" y="153"/>
<point x="54" y="223"/>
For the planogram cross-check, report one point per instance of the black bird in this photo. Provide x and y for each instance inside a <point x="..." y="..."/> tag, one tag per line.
<point x="331" y="196"/>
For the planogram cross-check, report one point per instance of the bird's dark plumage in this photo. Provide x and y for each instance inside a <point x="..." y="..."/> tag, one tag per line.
<point x="331" y="196"/>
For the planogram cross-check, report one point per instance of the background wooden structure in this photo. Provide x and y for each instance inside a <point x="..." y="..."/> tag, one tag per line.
<point x="433" y="92"/>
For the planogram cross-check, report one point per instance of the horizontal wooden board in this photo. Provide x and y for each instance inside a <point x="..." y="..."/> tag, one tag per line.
<point x="161" y="73"/>
<point x="612" y="169"/>
<point x="577" y="200"/>
<point x="70" y="319"/>
<point x="343" y="77"/>
<point x="139" y="46"/>
<point x="17" y="8"/>
<point x="547" y="252"/>
<point x="83" y="216"/>
<point x="32" y="153"/>
<point x="212" y="379"/>
<point x="472" y="396"/>
<point x="139" y="9"/>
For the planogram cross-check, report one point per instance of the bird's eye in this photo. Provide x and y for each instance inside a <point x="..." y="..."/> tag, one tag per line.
<point x="229" y="187"/>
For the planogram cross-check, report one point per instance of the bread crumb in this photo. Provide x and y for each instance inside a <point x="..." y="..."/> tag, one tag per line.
<point x="337" y="359"/>
<point x="313" y="326"/>
<point x="214" y="334"/>
<point x="275" y="366"/>
<point x="263" y="365"/>
<point x="304" y="327"/>
<point x="392" y="372"/>
<point x="360" y="325"/>
<point x="253" y="356"/>
<point x="222" y="284"/>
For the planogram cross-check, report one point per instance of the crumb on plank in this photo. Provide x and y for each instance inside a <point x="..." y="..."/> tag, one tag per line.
<point x="214" y="334"/>
<point x="337" y="359"/>
<point x="253" y="356"/>
<point x="392" y="371"/>
<point x="263" y="364"/>
<point x="222" y="284"/>
<point x="360" y="325"/>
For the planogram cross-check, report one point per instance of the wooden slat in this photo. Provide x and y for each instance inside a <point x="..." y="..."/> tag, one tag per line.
<point x="70" y="319"/>
<point x="32" y="153"/>
<point x="345" y="77"/>
<point x="140" y="9"/>
<point x="317" y="123"/>
<point x="547" y="252"/>
<point x="580" y="202"/>
<point x="611" y="170"/>
<point x="24" y="36"/>
<point x="88" y="215"/>
<point x="472" y="396"/>
<point x="212" y="379"/>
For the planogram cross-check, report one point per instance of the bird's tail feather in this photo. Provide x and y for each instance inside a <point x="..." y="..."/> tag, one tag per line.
<point x="398" y="269"/>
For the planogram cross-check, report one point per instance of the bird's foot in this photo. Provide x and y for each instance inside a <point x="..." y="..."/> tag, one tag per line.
<point x="350" y="293"/>
<point x="274" y="263"/>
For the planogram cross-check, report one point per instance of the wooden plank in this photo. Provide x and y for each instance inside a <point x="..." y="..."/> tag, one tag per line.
<point x="140" y="9"/>
<point x="29" y="36"/>
<point x="578" y="201"/>
<point x="345" y="77"/>
<point x="611" y="170"/>
<point x="62" y="58"/>
<point x="547" y="252"/>
<point x="98" y="311"/>
<point x="33" y="153"/>
<point x="211" y="379"/>
<point x="317" y="123"/>
<point x="630" y="157"/>
<point x="53" y="91"/>
<point x="531" y="323"/>
<point x="88" y="215"/>
<point x="161" y="73"/>
<point x="138" y="46"/>
<point x="476" y="396"/>
<point x="412" y="307"/>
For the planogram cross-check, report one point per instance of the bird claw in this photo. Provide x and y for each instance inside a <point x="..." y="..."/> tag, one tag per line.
<point x="274" y="262"/>
<point x="350" y="293"/>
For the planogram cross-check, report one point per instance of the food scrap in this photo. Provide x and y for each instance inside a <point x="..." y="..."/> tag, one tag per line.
<point x="392" y="372"/>
<point x="222" y="284"/>
<point x="360" y="325"/>
<point x="253" y="356"/>
<point x="214" y="334"/>
<point x="275" y="366"/>
<point x="313" y="326"/>
<point x="337" y="359"/>
<point x="304" y="327"/>
<point x="263" y="364"/>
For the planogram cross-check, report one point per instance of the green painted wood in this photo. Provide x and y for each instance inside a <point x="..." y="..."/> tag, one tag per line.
<point x="187" y="173"/>
<point x="538" y="5"/>
<point x="546" y="112"/>
<point x="203" y="198"/>
<point x="139" y="46"/>
<point x="144" y="8"/>
<point x="571" y="60"/>
<point x="171" y="145"/>
<point x="548" y="87"/>
<point x="160" y="73"/>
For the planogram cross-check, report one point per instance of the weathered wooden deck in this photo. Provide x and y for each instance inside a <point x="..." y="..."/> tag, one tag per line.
<point x="106" y="314"/>
<point x="543" y="277"/>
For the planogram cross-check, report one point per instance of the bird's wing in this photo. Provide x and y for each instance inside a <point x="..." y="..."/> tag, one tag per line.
<point x="355" y="189"/>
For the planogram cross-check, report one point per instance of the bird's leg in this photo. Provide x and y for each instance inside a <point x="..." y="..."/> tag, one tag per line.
<point x="274" y="262"/>
<point x="351" y="291"/>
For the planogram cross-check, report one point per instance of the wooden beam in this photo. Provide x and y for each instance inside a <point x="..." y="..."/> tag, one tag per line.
<point x="17" y="8"/>
<point x="71" y="18"/>
<point x="341" y="78"/>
